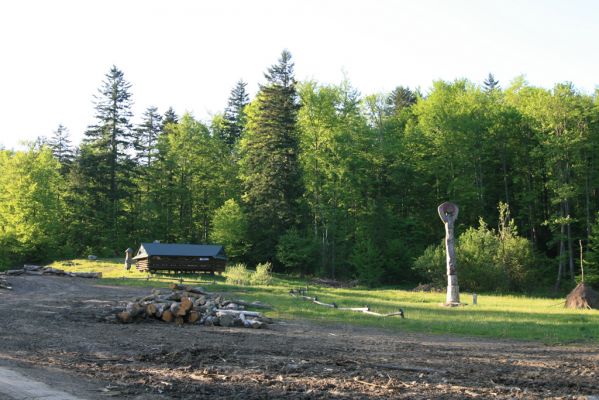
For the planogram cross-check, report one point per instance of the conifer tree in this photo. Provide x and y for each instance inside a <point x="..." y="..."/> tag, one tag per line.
<point x="146" y="136"/>
<point x="270" y="172"/>
<point x="491" y="83"/>
<point x="60" y="144"/>
<point x="105" y="161"/>
<point x="400" y="98"/>
<point x="234" y="116"/>
<point x="170" y="117"/>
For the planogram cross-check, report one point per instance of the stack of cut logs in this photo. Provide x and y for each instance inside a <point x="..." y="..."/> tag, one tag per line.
<point x="39" y="270"/>
<point x="193" y="305"/>
<point x="4" y="283"/>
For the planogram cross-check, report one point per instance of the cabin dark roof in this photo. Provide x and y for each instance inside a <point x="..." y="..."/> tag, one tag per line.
<point x="184" y="250"/>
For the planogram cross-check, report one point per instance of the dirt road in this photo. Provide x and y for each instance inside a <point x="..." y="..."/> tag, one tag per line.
<point x="50" y="334"/>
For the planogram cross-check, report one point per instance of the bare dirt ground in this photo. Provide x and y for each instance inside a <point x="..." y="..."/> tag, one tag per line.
<point x="50" y="332"/>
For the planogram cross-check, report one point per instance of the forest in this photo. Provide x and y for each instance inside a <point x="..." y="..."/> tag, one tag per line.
<point x="320" y="179"/>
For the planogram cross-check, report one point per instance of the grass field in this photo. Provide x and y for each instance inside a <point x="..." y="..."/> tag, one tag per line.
<point x="496" y="316"/>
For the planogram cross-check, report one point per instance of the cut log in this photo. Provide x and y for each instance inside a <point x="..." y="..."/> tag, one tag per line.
<point x="179" y="320"/>
<point x="135" y="310"/>
<point x="15" y="272"/>
<point x="124" y="317"/>
<point x="29" y="267"/>
<point x="151" y="309"/>
<point x="193" y="317"/>
<point x="167" y="316"/>
<point x="175" y="308"/>
<point x="185" y="305"/>
<point x="160" y="308"/>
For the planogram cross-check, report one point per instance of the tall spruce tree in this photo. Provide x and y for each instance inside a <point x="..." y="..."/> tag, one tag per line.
<point x="170" y="117"/>
<point x="491" y="83"/>
<point x="146" y="136"/>
<point x="400" y="98"/>
<point x="234" y="117"/>
<point x="105" y="160"/>
<point x="270" y="169"/>
<point x="60" y="144"/>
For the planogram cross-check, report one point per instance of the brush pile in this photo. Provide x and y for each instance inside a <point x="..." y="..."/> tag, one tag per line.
<point x="4" y="283"/>
<point x="39" y="270"/>
<point x="583" y="297"/>
<point x="193" y="305"/>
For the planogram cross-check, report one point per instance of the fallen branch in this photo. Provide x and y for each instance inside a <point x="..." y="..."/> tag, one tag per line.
<point x="366" y="310"/>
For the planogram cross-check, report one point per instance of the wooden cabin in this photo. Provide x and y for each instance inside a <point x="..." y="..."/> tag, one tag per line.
<point x="156" y="257"/>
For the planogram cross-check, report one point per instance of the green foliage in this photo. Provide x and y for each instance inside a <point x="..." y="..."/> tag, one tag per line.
<point x="367" y="261"/>
<point x="296" y="252"/>
<point x="31" y="206"/>
<point x="431" y="265"/>
<point x="230" y="229"/>
<point x="262" y="275"/>
<point x="239" y="274"/>
<point x="591" y="263"/>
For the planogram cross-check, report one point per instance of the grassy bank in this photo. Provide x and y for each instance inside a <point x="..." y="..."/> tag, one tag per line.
<point x="511" y="317"/>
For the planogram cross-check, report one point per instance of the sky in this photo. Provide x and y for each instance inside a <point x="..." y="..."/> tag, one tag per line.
<point x="189" y="54"/>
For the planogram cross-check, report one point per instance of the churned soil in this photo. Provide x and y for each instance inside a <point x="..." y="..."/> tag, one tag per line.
<point x="52" y="331"/>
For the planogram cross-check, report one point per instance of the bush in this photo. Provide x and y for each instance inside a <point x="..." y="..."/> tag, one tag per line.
<point x="237" y="274"/>
<point x="262" y="275"/>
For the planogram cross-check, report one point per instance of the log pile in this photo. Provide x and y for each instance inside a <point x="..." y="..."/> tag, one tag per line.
<point x="192" y="305"/>
<point x="47" y="270"/>
<point x="302" y="294"/>
<point x="4" y="283"/>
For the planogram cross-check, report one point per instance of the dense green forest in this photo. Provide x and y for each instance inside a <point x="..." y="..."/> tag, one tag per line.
<point x="319" y="179"/>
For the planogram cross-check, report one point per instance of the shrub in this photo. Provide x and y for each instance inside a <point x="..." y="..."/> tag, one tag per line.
<point x="262" y="275"/>
<point x="237" y="274"/>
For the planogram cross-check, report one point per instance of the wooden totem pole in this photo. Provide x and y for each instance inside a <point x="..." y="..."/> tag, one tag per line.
<point x="449" y="213"/>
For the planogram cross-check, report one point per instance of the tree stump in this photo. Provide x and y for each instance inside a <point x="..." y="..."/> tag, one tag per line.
<point x="449" y="213"/>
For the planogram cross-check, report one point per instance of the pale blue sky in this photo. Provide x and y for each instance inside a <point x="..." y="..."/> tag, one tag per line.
<point x="189" y="54"/>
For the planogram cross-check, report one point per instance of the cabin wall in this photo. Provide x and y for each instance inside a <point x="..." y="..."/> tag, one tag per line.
<point x="183" y="264"/>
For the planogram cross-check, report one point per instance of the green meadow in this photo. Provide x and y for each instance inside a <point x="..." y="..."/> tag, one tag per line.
<point x="495" y="316"/>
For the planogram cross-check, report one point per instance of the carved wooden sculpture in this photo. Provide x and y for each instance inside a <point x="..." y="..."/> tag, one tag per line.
<point x="449" y="213"/>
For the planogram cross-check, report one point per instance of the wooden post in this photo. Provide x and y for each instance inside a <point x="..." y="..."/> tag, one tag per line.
<point x="449" y="213"/>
